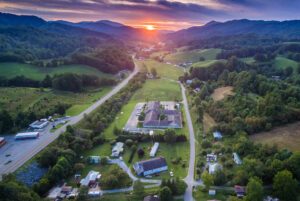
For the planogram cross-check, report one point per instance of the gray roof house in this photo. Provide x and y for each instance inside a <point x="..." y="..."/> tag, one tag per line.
<point x="173" y="117"/>
<point x="150" y="166"/>
<point x="151" y="198"/>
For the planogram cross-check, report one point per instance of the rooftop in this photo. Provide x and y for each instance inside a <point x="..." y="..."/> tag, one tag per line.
<point x="153" y="163"/>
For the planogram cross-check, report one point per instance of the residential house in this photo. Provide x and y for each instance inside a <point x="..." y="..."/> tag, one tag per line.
<point x="66" y="190"/>
<point x="94" y="193"/>
<point x="240" y="191"/>
<point x="94" y="159"/>
<point x="117" y="149"/>
<point x="237" y="159"/>
<point x="211" y="157"/>
<point x="172" y="117"/>
<point x="154" y="149"/>
<point x="212" y="168"/>
<point x="217" y="135"/>
<point x="91" y="178"/>
<point x="150" y="166"/>
<point x="151" y="198"/>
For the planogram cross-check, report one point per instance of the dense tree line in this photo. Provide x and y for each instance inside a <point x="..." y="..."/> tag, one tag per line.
<point x="109" y="60"/>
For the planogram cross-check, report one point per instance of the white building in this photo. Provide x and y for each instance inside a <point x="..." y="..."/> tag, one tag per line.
<point x="211" y="157"/>
<point x="154" y="149"/>
<point x="236" y="158"/>
<point x="217" y="135"/>
<point x="117" y="149"/>
<point x="38" y="124"/>
<point x="91" y="178"/>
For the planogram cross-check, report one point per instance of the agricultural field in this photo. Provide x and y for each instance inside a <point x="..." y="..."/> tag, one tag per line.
<point x="286" y="136"/>
<point x="203" y="64"/>
<point x="11" y="70"/>
<point x="24" y="98"/>
<point x="221" y="93"/>
<point x="192" y="56"/>
<point x="163" y="69"/>
<point x="208" y="122"/>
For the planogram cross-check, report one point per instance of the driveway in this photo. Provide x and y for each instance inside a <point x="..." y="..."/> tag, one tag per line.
<point x="24" y="156"/>
<point x="188" y="196"/>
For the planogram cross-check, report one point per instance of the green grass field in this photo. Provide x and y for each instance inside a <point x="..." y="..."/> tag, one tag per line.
<point x="282" y="63"/>
<point x="11" y="70"/>
<point x="158" y="89"/>
<point x="220" y="195"/>
<point x="162" y="69"/>
<point x="203" y="64"/>
<point x="192" y="56"/>
<point x="16" y="99"/>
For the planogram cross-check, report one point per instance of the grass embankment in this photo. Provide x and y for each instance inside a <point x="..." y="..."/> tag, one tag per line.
<point x="16" y="99"/>
<point x="11" y="69"/>
<point x="163" y="70"/>
<point x="192" y="56"/>
<point x="220" y="195"/>
<point x="286" y="136"/>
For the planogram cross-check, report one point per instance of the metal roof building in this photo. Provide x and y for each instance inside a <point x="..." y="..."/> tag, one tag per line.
<point x="154" y="149"/>
<point x="150" y="166"/>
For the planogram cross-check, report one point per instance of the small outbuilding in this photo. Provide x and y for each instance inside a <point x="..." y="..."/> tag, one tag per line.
<point x="212" y="192"/>
<point x="217" y="135"/>
<point x="211" y="157"/>
<point x="240" y="191"/>
<point x="2" y="141"/>
<point x="189" y="81"/>
<point x="154" y="149"/>
<point x="117" y="149"/>
<point x="236" y="158"/>
<point x="38" y="124"/>
<point x="94" y="159"/>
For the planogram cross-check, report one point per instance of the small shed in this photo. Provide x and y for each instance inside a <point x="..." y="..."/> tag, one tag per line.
<point x="94" y="159"/>
<point x="237" y="159"/>
<point x="214" y="167"/>
<point x="117" y="149"/>
<point x="217" y="135"/>
<point x="212" y="192"/>
<point x="154" y="149"/>
<point x="211" y="157"/>
<point x="189" y="81"/>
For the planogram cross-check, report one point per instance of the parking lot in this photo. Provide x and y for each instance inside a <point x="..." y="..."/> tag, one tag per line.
<point x="15" y="150"/>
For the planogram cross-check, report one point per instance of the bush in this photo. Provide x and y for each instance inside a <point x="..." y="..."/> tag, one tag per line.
<point x="141" y="153"/>
<point x="176" y="160"/>
<point x="129" y="142"/>
<point x="131" y="155"/>
<point x="206" y="144"/>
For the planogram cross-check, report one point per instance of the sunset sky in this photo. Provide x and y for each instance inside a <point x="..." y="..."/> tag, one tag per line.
<point x="162" y="14"/>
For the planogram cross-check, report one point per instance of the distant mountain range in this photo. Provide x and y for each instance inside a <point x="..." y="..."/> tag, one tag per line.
<point x="289" y="29"/>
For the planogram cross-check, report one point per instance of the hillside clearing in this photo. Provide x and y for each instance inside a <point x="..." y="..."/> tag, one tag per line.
<point x="10" y="70"/>
<point x="208" y="122"/>
<point x="287" y="136"/>
<point x="221" y="93"/>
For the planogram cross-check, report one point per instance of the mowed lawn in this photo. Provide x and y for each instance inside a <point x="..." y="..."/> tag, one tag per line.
<point x="23" y="98"/>
<point x="163" y="69"/>
<point x="282" y="63"/>
<point x="158" y="89"/>
<point x="192" y="56"/>
<point x="203" y="64"/>
<point x="286" y="136"/>
<point x="11" y="69"/>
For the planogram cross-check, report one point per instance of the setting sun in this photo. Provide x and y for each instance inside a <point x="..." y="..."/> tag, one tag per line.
<point x="150" y="27"/>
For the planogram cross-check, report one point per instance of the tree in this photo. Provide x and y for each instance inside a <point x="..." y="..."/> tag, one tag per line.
<point x="288" y="71"/>
<point x="78" y="167"/>
<point x="255" y="190"/>
<point x="162" y="116"/>
<point x="207" y="179"/>
<point x="165" y="194"/>
<point x="294" y="164"/>
<point x="138" y="188"/>
<point x="129" y="142"/>
<point x="233" y="198"/>
<point x="170" y="136"/>
<point x="219" y="178"/>
<point x="83" y="193"/>
<point x="103" y="161"/>
<point x="153" y="72"/>
<point x="285" y="186"/>
<point x="141" y="153"/>
<point x="47" y="82"/>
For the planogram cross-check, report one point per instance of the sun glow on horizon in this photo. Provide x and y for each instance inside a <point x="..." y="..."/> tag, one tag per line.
<point x="150" y="27"/>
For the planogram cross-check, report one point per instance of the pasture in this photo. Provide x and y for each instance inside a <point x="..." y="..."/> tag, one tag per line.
<point x="192" y="56"/>
<point x="16" y="99"/>
<point x="11" y="69"/>
<point x="286" y="136"/>
<point x="163" y="69"/>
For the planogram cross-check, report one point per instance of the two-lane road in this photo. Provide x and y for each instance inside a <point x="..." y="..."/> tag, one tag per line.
<point x="25" y="156"/>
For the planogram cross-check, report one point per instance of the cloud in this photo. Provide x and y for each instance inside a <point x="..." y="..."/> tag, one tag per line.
<point x="134" y="12"/>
